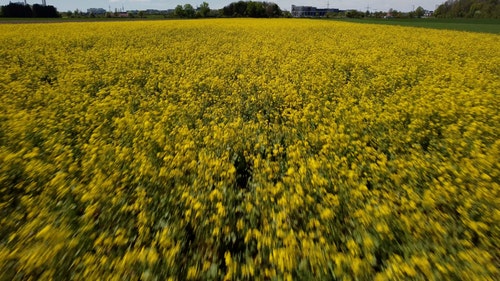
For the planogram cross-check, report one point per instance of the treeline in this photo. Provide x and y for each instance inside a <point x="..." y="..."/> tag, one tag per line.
<point x="469" y="9"/>
<point x="19" y="10"/>
<point x="252" y="9"/>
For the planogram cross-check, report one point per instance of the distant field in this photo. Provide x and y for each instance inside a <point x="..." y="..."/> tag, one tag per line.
<point x="472" y="25"/>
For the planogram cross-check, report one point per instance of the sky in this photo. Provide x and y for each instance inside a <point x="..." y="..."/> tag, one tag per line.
<point x="362" y="5"/>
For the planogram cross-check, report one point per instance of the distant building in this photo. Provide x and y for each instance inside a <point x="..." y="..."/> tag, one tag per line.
<point x="96" y="11"/>
<point x="309" y="11"/>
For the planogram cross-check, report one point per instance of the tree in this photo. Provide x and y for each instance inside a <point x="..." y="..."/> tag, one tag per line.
<point x="20" y="10"/>
<point x="41" y="11"/>
<point x="469" y="8"/>
<point x="203" y="10"/>
<point x="286" y="14"/>
<point x="179" y="11"/>
<point x="354" y="14"/>
<point x="189" y="11"/>
<point x="141" y="14"/>
<point x="272" y="10"/>
<point x="419" y="12"/>
<point x="253" y="9"/>
<point x="237" y="9"/>
<point x="17" y="10"/>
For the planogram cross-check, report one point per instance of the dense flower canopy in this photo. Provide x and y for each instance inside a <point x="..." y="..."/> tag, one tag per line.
<point x="248" y="149"/>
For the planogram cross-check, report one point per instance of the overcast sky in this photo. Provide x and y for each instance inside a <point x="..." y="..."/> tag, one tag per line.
<point x="375" y="5"/>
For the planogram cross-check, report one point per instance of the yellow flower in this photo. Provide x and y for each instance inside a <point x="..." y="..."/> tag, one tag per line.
<point x="296" y="147"/>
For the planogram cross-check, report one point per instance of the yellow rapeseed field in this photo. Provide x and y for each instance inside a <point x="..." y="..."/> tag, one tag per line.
<point x="243" y="149"/>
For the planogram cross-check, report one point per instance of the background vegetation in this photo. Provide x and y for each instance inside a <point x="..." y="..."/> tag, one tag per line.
<point x="469" y="9"/>
<point x="252" y="9"/>
<point x="19" y="10"/>
<point x="479" y="9"/>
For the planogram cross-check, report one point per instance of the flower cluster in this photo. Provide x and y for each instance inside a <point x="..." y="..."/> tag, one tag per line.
<point x="242" y="149"/>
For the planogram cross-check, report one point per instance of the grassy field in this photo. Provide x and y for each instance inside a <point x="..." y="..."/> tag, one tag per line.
<point x="472" y="25"/>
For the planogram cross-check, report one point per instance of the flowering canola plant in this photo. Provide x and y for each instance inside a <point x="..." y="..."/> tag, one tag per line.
<point x="243" y="149"/>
